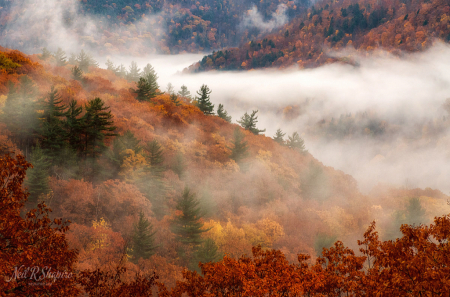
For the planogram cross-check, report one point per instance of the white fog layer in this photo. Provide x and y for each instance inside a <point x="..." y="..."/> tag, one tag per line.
<point x="407" y="94"/>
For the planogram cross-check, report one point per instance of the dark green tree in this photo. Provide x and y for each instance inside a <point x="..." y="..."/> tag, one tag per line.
<point x="208" y="252"/>
<point x="52" y="132"/>
<point x="143" y="242"/>
<point x="203" y="102"/>
<point x="296" y="142"/>
<point x="38" y="177"/>
<point x="60" y="57"/>
<point x="279" y="136"/>
<point x="248" y="122"/>
<point x="98" y="125"/>
<point x="152" y="80"/>
<point x="188" y="225"/>
<point x="223" y="114"/>
<point x="143" y="91"/>
<point x="77" y="74"/>
<point x="135" y="72"/>
<point x="120" y="144"/>
<point x="174" y="99"/>
<point x="73" y="125"/>
<point x="239" y="150"/>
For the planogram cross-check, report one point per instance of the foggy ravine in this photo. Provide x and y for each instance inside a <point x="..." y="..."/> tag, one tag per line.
<point x="406" y="93"/>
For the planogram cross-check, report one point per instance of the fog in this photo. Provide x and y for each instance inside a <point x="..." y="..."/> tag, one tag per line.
<point x="254" y="19"/>
<point x="405" y="93"/>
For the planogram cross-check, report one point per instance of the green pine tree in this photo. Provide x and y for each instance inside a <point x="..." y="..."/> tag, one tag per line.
<point x="223" y="114"/>
<point x="120" y="144"/>
<point x="296" y="142"/>
<point x="174" y="99"/>
<point x="77" y="74"/>
<point x="184" y="93"/>
<point x="179" y="165"/>
<point x="239" y="150"/>
<point x="73" y="125"/>
<point x="52" y="132"/>
<point x="208" y="252"/>
<point x="98" y="125"/>
<point x="203" y="102"/>
<point x="38" y="177"/>
<point x="135" y="73"/>
<point x="279" y="137"/>
<point x="188" y="225"/>
<point x="60" y="57"/>
<point x="121" y="71"/>
<point x="143" y="242"/>
<point x="248" y="122"/>
<point x="143" y="91"/>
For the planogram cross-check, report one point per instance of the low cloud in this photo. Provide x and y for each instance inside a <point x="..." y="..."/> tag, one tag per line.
<point x="254" y="19"/>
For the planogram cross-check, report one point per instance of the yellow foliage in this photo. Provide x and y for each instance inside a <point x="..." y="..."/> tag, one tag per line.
<point x="2" y="102"/>
<point x="100" y="239"/>
<point x="133" y="165"/>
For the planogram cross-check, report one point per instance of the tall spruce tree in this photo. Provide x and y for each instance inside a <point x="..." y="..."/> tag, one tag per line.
<point x="203" y="102"/>
<point x="223" y="114"/>
<point x="77" y="73"/>
<point x="98" y="125"/>
<point x="144" y="90"/>
<point x="155" y="157"/>
<point x="248" y="122"/>
<point x="73" y="125"/>
<point x="38" y="177"/>
<point x="52" y="132"/>
<point x="239" y="150"/>
<point x="296" y="142"/>
<point x="60" y="57"/>
<point x="174" y="99"/>
<point x="45" y="54"/>
<point x="279" y="136"/>
<point x="188" y="225"/>
<point x="134" y="73"/>
<point x="83" y="61"/>
<point x="184" y="93"/>
<point x="143" y="242"/>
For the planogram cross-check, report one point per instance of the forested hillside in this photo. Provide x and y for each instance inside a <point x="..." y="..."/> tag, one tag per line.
<point x="156" y="182"/>
<point x="142" y="27"/>
<point x="312" y="38"/>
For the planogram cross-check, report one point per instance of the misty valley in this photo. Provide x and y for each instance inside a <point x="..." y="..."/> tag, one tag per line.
<point x="224" y="148"/>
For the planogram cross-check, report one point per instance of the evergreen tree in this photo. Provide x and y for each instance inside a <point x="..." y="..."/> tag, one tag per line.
<point x="110" y="66"/>
<point x="179" y="165"/>
<point x="155" y="157"/>
<point x="279" y="137"/>
<point x="170" y="89"/>
<point x="152" y="80"/>
<point x="239" y="150"/>
<point x="203" y="102"/>
<point x="208" y="252"/>
<point x="415" y="214"/>
<point x="52" y="132"/>
<point x="120" y="144"/>
<point x="184" y="93"/>
<point x="73" y="125"/>
<point x="134" y="73"/>
<point x="188" y="225"/>
<point x="72" y="59"/>
<point x="223" y="114"/>
<point x="83" y="61"/>
<point x="121" y="71"/>
<point x="143" y="241"/>
<point x="296" y="142"/>
<point x="174" y="99"/>
<point x="98" y="125"/>
<point x="38" y="177"/>
<point x="45" y="54"/>
<point x="60" y="57"/>
<point x="248" y="122"/>
<point x="143" y="91"/>
<point x="77" y="74"/>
